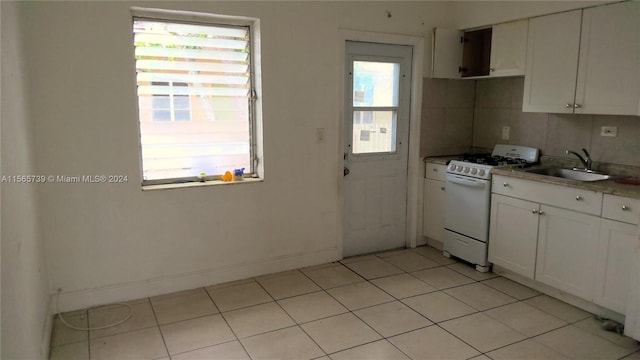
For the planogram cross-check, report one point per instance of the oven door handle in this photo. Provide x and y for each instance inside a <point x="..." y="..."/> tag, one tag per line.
<point x="466" y="182"/>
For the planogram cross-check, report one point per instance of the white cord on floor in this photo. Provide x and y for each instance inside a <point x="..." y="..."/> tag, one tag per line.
<point x="84" y="312"/>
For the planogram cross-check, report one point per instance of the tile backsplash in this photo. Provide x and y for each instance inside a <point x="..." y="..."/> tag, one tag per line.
<point x="498" y="103"/>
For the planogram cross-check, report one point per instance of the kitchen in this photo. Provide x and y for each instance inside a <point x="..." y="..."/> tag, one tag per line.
<point x="61" y="239"/>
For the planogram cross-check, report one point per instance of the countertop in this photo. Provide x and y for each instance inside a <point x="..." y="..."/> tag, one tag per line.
<point x="606" y="186"/>
<point x="442" y="160"/>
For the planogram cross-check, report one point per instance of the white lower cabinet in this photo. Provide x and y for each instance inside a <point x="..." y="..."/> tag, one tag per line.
<point x="433" y="220"/>
<point x="513" y="235"/>
<point x="616" y="248"/>
<point x="567" y="243"/>
<point x="433" y="202"/>
<point x="580" y="242"/>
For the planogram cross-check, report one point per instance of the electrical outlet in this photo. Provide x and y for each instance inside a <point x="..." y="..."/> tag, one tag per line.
<point x="505" y="132"/>
<point x="609" y="131"/>
<point x="320" y="135"/>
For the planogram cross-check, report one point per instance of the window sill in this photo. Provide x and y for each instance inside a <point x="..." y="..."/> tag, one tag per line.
<point x="199" y="184"/>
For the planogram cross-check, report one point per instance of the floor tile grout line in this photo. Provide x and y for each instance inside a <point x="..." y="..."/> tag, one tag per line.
<point x="200" y="348"/>
<point x="229" y="326"/>
<point x="504" y="292"/>
<point x="457" y="337"/>
<point x="155" y="316"/>
<point x="296" y="323"/>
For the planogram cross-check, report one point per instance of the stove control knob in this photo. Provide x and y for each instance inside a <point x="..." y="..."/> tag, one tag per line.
<point x="452" y="167"/>
<point x="459" y="168"/>
<point x="466" y="170"/>
<point x="474" y="171"/>
<point x="481" y="172"/>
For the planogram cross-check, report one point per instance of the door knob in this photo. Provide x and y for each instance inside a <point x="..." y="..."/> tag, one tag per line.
<point x="346" y="171"/>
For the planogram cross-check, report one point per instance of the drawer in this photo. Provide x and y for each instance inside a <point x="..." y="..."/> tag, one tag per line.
<point x="436" y="171"/>
<point x="621" y="209"/>
<point x="586" y="201"/>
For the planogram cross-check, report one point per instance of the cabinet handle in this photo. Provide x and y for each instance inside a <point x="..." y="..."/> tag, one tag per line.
<point x="540" y="213"/>
<point x="568" y="106"/>
<point x="576" y="106"/>
<point x="534" y="211"/>
<point x="435" y="169"/>
<point x="625" y="208"/>
<point x="442" y="188"/>
<point x="492" y="69"/>
<point x="505" y="184"/>
<point x="579" y="198"/>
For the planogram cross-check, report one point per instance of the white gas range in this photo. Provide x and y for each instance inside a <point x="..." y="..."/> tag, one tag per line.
<point x="468" y="200"/>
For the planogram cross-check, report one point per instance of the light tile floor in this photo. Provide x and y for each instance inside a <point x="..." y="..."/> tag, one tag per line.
<point x="406" y="304"/>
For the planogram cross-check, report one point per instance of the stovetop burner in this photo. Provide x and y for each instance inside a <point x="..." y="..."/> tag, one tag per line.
<point x="494" y="160"/>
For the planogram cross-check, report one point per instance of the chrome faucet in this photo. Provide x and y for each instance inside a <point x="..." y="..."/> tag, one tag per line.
<point x="586" y="161"/>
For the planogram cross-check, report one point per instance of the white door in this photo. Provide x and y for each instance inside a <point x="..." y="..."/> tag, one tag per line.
<point x="552" y="61"/>
<point x="513" y="235"/>
<point x="377" y="103"/>
<point x="567" y="246"/>
<point x="606" y="81"/>
<point x="616" y="250"/>
<point x="509" y="48"/>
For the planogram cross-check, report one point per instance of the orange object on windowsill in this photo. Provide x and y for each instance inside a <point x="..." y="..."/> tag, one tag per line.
<point x="227" y="176"/>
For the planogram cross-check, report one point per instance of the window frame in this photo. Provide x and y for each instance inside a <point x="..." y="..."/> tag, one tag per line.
<point x="255" y="86"/>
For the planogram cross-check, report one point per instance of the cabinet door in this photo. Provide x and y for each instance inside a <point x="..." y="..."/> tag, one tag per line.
<point x="609" y="65"/>
<point x="513" y="234"/>
<point x="567" y="243"/>
<point x="616" y="249"/>
<point x="509" y="48"/>
<point x="447" y="53"/>
<point x="552" y="59"/>
<point x="433" y="221"/>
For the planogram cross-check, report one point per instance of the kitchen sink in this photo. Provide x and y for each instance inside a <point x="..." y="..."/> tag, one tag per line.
<point x="571" y="174"/>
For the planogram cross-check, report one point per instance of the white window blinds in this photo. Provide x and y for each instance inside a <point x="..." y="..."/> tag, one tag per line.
<point x="194" y="87"/>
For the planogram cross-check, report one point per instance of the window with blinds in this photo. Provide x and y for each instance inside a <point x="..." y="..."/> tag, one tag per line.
<point x="195" y="100"/>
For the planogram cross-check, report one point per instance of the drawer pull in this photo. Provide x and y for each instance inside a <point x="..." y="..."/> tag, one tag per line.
<point x="434" y="169"/>
<point x="625" y="208"/>
<point x="505" y="184"/>
<point x="442" y="188"/>
<point x="579" y="198"/>
<point x="534" y="211"/>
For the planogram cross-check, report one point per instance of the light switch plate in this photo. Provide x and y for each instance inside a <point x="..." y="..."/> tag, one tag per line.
<point x="505" y="132"/>
<point x="320" y="135"/>
<point x="611" y="131"/>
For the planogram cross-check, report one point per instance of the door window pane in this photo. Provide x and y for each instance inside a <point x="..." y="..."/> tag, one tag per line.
<point x="375" y="83"/>
<point x="376" y="134"/>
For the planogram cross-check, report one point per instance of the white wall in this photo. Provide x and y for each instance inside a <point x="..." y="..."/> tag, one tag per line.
<point x="25" y="287"/>
<point x="110" y="242"/>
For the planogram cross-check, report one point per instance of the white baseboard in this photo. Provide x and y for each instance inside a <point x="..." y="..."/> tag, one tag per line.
<point x="81" y="299"/>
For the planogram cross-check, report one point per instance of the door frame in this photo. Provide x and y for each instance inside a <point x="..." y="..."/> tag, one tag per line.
<point x="414" y="173"/>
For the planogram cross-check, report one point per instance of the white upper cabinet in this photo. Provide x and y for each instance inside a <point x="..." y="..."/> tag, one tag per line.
<point x="509" y="48"/>
<point x="552" y="60"/>
<point x="447" y="53"/>
<point x="490" y="52"/>
<point x="585" y="61"/>
<point x="609" y="66"/>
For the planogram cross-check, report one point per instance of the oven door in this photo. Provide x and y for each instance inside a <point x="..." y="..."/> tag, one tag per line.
<point x="467" y="206"/>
